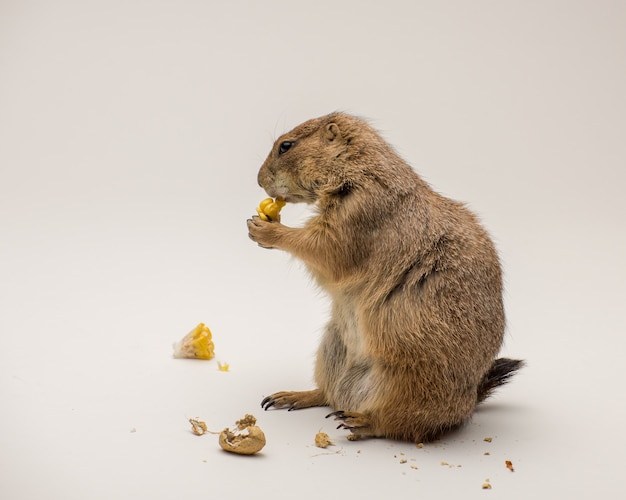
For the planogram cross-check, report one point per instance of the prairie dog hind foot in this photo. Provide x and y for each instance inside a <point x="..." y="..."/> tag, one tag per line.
<point x="294" y="400"/>
<point x="357" y="423"/>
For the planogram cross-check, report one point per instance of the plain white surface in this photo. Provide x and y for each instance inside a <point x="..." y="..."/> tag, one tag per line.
<point x="130" y="138"/>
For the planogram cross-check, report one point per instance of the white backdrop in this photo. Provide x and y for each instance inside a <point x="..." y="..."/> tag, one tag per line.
<point x="131" y="133"/>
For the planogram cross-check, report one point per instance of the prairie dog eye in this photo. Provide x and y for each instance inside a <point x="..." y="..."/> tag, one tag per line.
<point x="284" y="147"/>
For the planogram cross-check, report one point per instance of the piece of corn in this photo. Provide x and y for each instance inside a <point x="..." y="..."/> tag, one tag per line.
<point x="269" y="209"/>
<point x="197" y="344"/>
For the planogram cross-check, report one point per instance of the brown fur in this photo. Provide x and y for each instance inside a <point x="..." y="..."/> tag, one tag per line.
<point x="417" y="317"/>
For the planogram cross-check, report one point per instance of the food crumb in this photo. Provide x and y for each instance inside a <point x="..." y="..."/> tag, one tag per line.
<point x="488" y="439"/>
<point x="486" y="485"/>
<point x="444" y="463"/>
<point x="322" y="440"/>
<point x="486" y="453"/>
<point x="198" y="427"/>
<point x="403" y="461"/>
<point x="509" y="465"/>
<point x="223" y="367"/>
<point x="420" y="445"/>
<point x="414" y="467"/>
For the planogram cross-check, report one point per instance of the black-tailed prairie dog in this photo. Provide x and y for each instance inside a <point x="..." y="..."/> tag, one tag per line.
<point x="415" y="281"/>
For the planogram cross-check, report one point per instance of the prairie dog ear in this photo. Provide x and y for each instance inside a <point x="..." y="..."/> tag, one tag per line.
<point x="332" y="133"/>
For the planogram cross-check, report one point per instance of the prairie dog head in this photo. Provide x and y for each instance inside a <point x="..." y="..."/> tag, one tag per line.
<point x="316" y="159"/>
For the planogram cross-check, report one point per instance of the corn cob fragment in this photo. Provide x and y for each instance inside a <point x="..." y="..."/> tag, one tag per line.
<point x="197" y="344"/>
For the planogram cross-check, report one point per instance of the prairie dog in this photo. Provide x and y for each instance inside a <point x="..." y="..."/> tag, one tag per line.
<point x="415" y="281"/>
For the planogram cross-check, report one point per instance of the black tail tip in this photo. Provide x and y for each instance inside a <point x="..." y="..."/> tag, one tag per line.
<point x="499" y="374"/>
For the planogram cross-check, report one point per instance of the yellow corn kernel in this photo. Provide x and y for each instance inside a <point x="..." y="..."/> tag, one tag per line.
<point x="265" y="203"/>
<point x="269" y="209"/>
<point x="197" y="344"/>
<point x="262" y="216"/>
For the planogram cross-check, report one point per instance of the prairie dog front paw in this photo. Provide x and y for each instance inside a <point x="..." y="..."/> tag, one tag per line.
<point x="264" y="233"/>
<point x="294" y="400"/>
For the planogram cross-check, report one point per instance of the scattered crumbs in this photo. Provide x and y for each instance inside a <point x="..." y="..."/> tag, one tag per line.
<point x="446" y="464"/>
<point x="420" y="445"/>
<point x="223" y="367"/>
<point x="488" y="439"/>
<point x="403" y="461"/>
<point x="414" y="467"/>
<point x="402" y="453"/>
<point x="509" y="465"/>
<point x="486" y="453"/>
<point x="486" y="485"/>
<point x="341" y="452"/>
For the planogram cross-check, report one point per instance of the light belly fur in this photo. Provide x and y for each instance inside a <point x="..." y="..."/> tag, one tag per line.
<point x="352" y="385"/>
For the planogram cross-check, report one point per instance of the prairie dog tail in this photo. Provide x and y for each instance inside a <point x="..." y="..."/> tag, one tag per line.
<point x="499" y="374"/>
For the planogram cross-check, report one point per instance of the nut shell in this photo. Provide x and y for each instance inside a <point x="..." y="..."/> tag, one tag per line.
<point x="249" y="441"/>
